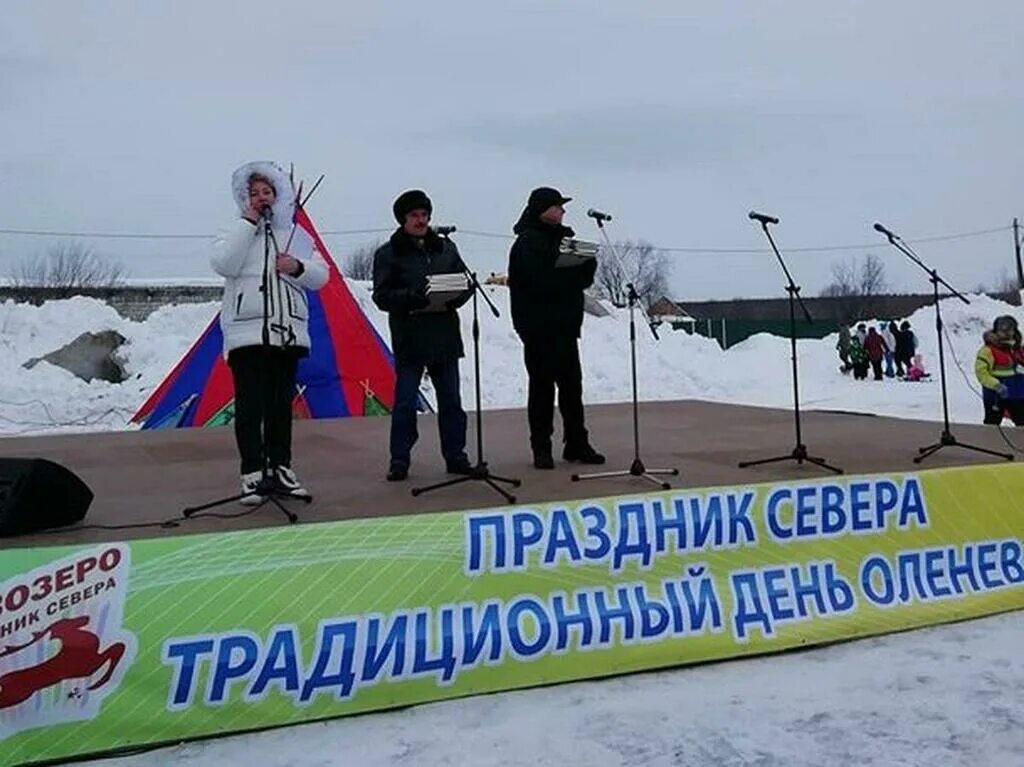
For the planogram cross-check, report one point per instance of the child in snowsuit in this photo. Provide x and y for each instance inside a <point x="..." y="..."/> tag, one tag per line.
<point x="858" y="359"/>
<point x="999" y="367"/>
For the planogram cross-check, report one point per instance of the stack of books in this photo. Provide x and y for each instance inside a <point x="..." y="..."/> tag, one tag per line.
<point x="442" y="289"/>
<point x="574" y="252"/>
<point x="456" y="282"/>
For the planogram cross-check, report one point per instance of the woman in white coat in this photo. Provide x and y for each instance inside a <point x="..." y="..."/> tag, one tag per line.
<point x="246" y="254"/>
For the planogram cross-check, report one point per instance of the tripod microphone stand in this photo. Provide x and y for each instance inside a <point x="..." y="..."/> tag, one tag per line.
<point x="946" y="439"/>
<point x="637" y="468"/>
<point x="799" y="452"/>
<point x="480" y="472"/>
<point x="266" y="489"/>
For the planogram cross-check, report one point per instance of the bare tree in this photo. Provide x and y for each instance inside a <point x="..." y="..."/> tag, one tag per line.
<point x="638" y="263"/>
<point x="358" y="265"/>
<point x="68" y="267"/>
<point x="856" y="285"/>
<point x="872" y="276"/>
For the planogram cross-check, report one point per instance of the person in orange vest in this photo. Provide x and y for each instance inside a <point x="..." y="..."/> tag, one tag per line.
<point x="999" y="367"/>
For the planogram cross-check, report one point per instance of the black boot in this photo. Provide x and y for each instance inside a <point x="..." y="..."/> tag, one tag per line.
<point x="582" y="454"/>
<point x="397" y="472"/>
<point x="542" y="458"/>
<point x="460" y="465"/>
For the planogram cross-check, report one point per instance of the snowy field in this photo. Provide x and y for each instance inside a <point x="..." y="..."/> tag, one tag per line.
<point x="679" y="366"/>
<point x="951" y="695"/>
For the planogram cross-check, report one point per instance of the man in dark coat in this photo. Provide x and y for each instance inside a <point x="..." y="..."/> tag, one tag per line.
<point x="905" y="347"/>
<point x="547" y="313"/>
<point x="430" y="341"/>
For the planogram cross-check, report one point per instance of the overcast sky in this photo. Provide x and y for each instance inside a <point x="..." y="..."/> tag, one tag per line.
<point x="678" y="118"/>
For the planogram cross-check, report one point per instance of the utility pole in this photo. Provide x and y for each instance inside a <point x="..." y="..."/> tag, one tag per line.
<point x="1016" y="250"/>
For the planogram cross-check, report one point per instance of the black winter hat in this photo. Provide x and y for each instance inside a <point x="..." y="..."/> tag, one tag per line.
<point x="544" y="197"/>
<point x="414" y="199"/>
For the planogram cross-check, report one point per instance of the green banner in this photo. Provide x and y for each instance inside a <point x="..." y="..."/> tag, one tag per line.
<point x="118" y="645"/>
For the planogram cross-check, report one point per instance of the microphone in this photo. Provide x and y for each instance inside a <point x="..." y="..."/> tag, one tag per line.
<point x="764" y="219"/>
<point x="598" y="215"/>
<point x="443" y="231"/>
<point x="879" y="228"/>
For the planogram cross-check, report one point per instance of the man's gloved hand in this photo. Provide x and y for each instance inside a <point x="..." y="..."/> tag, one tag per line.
<point x="418" y="299"/>
<point x="1003" y="391"/>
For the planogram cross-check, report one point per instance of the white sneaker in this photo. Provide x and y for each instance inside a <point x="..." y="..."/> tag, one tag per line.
<point x="289" y="484"/>
<point x="250" y="482"/>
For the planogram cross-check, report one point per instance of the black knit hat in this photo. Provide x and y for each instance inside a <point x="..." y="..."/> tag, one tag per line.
<point x="414" y="199"/>
<point x="543" y="197"/>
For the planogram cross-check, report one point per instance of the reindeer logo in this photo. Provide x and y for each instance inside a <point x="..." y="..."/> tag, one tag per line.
<point x="79" y="657"/>
<point x="65" y="671"/>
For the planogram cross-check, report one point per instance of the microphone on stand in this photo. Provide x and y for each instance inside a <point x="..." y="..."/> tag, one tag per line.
<point x="267" y="215"/>
<point x="444" y="231"/>
<point x="598" y="215"/>
<point x="879" y="228"/>
<point x="764" y="219"/>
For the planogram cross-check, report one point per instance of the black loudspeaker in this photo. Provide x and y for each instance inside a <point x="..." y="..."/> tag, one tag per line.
<point x="36" y="494"/>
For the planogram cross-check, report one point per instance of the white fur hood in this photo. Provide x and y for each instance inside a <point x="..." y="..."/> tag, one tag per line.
<point x="284" y="205"/>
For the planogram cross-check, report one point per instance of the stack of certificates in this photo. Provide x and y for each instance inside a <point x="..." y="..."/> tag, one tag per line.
<point x="456" y="282"/>
<point x="574" y="252"/>
<point x="443" y="289"/>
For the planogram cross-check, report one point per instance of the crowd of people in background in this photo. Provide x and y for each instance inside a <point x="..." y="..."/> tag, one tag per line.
<point x="889" y="350"/>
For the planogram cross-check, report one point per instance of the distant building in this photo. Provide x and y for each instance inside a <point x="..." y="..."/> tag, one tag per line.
<point x="667" y="311"/>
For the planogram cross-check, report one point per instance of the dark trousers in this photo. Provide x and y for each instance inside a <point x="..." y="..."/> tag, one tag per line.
<point x="554" y="362"/>
<point x="451" y="418"/>
<point x="860" y="370"/>
<point x="264" y="389"/>
<point x="876" y="368"/>
<point x="996" y="408"/>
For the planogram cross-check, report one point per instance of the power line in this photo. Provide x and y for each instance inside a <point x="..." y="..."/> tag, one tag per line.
<point x="333" y="232"/>
<point x="829" y="248"/>
<point x="817" y="249"/>
<point x="154" y="235"/>
<point x="104" y="235"/>
<point x="498" y="235"/>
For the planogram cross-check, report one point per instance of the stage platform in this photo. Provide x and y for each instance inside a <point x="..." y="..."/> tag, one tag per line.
<point x="150" y="476"/>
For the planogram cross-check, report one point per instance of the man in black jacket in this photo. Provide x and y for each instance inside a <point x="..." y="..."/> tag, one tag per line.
<point x="429" y="341"/>
<point x="547" y="313"/>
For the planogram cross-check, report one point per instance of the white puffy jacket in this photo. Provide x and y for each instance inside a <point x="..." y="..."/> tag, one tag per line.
<point x="238" y="256"/>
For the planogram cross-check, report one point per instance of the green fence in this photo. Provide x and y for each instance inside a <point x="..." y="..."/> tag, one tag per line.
<point x="730" y="332"/>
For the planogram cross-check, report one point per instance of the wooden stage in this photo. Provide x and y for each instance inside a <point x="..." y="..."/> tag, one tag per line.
<point x="150" y="476"/>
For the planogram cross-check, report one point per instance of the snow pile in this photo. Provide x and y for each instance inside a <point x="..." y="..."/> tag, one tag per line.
<point x="678" y="366"/>
<point x="47" y="398"/>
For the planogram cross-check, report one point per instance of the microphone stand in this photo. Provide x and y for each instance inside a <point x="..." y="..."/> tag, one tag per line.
<point x="946" y="439"/>
<point x="266" y="488"/>
<point x="637" y="467"/>
<point x="799" y="452"/>
<point x="480" y="472"/>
